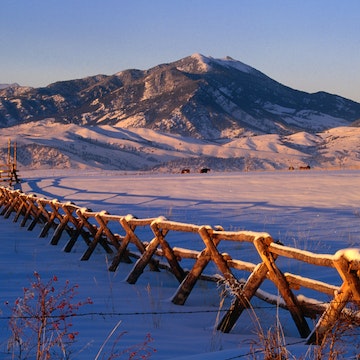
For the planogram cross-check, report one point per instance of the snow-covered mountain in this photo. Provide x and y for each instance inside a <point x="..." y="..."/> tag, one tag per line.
<point x="195" y="112"/>
<point x="196" y="96"/>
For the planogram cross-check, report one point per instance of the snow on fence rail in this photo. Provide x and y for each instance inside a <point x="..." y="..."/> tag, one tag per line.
<point x="97" y="229"/>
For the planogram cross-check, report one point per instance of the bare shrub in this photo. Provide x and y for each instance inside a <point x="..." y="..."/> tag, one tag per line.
<point x="40" y="320"/>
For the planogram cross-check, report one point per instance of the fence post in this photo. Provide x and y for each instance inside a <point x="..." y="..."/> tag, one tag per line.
<point x="145" y="258"/>
<point x="143" y="261"/>
<point x="4" y="197"/>
<point x="348" y="290"/>
<point x="78" y="223"/>
<point x="12" y="204"/>
<point x="40" y="213"/>
<point x="96" y="233"/>
<point x="20" y="209"/>
<point x="278" y="278"/>
<point x="59" y="230"/>
<point x="168" y="252"/>
<point x="8" y="203"/>
<point x="51" y="216"/>
<point x="191" y="278"/>
<point x="130" y="236"/>
<point x="243" y="297"/>
<point x="31" y="209"/>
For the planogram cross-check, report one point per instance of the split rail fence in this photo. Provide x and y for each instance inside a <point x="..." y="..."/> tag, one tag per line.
<point x="8" y="170"/>
<point x="96" y="230"/>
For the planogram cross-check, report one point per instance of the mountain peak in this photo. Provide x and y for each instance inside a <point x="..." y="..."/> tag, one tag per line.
<point x="198" y="96"/>
<point x="200" y="57"/>
<point x="206" y="63"/>
<point x="195" y="63"/>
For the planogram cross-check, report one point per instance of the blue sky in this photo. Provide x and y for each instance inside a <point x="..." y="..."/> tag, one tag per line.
<point x="309" y="45"/>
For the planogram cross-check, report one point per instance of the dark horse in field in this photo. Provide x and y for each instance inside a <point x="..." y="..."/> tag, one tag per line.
<point x="204" y="170"/>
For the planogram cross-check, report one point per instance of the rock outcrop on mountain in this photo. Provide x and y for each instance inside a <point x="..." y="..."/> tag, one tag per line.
<point x="196" y="96"/>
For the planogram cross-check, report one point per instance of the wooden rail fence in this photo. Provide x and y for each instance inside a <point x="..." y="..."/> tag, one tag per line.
<point x="8" y="170"/>
<point x="97" y="229"/>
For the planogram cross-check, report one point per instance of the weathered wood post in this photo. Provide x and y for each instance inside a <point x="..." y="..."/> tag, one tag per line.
<point x="95" y="232"/>
<point x="129" y="224"/>
<point x="51" y="216"/>
<point x="14" y="200"/>
<point x="243" y="297"/>
<point x="40" y="215"/>
<point x="21" y="209"/>
<point x="168" y="252"/>
<point x="349" y="290"/>
<point x="31" y="208"/>
<point x="145" y="258"/>
<point x="278" y="278"/>
<point x="191" y="278"/>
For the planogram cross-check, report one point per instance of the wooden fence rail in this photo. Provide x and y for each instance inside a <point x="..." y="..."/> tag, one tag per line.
<point x="8" y="170"/>
<point x="99" y="229"/>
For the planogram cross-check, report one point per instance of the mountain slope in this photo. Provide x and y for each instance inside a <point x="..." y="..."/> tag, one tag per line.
<point x="196" y="96"/>
<point x="47" y="144"/>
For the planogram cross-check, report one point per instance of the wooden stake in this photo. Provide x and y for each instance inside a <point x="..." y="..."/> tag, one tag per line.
<point x="278" y="278"/>
<point x="243" y="298"/>
<point x="168" y="252"/>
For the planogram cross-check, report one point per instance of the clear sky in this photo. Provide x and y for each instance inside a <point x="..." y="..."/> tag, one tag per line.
<point x="309" y="45"/>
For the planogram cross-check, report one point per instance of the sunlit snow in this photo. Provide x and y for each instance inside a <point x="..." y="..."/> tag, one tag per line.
<point x="315" y="211"/>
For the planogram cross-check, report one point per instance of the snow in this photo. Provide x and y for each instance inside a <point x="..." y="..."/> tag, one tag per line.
<point x="201" y="61"/>
<point x="313" y="211"/>
<point x="305" y="139"/>
<point x="115" y="147"/>
<point x="238" y="65"/>
<point x="349" y="254"/>
<point x="277" y="109"/>
<point x="315" y="121"/>
<point x="204" y="62"/>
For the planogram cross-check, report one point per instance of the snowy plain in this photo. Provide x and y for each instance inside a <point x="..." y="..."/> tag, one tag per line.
<point x="312" y="210"/>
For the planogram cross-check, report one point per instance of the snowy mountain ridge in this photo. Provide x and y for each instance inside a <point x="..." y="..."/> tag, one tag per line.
<point x="205" y="63"/>
<point x="197" y="96"/>
<point x="195" y="112"/>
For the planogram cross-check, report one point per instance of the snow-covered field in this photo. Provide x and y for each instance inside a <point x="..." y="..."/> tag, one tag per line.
<point x="313" y="210"/>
